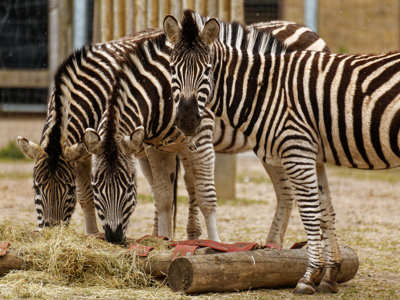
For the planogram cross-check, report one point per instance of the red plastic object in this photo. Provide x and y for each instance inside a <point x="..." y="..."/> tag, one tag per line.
<point x="223" y="247"/>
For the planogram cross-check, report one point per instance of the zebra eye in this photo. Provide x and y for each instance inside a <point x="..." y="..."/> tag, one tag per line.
<point x="71" y="191"/>
<point x="129" y="189"/>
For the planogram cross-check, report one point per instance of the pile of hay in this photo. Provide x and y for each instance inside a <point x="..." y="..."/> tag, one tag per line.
<point x="62" y="256"/>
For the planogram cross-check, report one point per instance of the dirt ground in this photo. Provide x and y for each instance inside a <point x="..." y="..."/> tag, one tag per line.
<point x="368" y="220"/>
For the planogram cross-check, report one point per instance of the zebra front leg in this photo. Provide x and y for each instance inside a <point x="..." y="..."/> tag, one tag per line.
<point x="85" y="194"/>
<point x="193" y="228"/>
<point x="201" y="162"/>
<point x="284" y="200"/>
<point x="301" y="172"/>
<point x="331" y="247"/>
<point x="146" y="170"/>
<point x="163" y="169"/>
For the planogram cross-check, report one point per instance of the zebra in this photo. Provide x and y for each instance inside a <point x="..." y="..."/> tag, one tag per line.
<point x="298" y="110"/>
<point x="228" y="139"/>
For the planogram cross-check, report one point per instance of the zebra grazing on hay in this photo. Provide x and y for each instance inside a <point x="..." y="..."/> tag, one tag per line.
<point x="297" y="111"/>
<point x="86" y="80"/>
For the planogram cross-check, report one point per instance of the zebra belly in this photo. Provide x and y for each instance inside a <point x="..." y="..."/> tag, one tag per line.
<point x="227" y="139"/>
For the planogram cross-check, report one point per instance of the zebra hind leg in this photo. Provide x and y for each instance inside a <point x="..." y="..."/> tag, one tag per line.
<point x="163" y="168"/>
<point x="284" y="205"/>
<point x="302" y="175"/>
<point x="331" y="246"/>
<point x="146" y="170"/>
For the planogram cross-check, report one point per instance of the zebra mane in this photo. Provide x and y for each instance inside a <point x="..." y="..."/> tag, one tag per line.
<point x="234" y="35"/>
<point x="53" y="135"/>
<point x="110" y="125"/>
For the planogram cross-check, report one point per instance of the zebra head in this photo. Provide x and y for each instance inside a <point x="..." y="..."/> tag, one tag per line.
<point x="53" y="181"/>
<point x="191" y="67"/>
<point x="114" y="179"/>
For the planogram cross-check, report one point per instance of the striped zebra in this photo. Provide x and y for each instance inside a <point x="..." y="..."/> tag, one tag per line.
<point x="86" y="80"/>
<point x="297" y="110"/>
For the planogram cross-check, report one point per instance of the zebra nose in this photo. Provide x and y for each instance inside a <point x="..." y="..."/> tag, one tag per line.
<point x="114" y="236"/>
<point x="188" y="116"/>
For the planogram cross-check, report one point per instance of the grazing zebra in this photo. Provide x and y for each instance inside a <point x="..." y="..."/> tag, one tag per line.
<point x="114" y="168"/>
<point x="297" y="110"/>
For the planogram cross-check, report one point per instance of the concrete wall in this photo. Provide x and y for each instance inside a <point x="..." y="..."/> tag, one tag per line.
<point x="355" y="26"/>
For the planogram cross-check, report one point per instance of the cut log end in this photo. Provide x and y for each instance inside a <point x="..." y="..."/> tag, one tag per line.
<point x="181" y="276"/>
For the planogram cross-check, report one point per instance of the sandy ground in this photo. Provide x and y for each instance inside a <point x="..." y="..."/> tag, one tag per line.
<point x="368" y="220"/>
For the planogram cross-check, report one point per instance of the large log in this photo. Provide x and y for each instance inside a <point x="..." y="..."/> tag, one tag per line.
<point x="264" y="268"/>
<point x="157" y="263"/>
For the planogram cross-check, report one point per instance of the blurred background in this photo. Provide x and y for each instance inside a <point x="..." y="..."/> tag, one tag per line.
<point x="37" y="35"/>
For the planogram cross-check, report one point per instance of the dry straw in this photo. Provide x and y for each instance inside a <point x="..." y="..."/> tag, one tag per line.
<point x="61" y="256"/>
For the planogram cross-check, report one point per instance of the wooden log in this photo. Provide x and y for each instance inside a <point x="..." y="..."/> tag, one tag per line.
<point x="157" y="263"/>
<point x="264" y="268"/>
<point x="9" y="262"/>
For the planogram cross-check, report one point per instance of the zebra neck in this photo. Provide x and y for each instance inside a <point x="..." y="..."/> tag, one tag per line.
<point x="241" y="83"/>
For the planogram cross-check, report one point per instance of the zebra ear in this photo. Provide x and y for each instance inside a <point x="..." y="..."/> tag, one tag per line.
<point x="28" y="148"/>
<point x="75" y="152"/>
<point x="133" y="143"/>
<point x="210" y="31"/>
<point x="92" y="141"/>
<point x="172" y="29"/>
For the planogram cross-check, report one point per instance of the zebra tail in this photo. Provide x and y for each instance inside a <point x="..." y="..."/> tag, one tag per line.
<point x="175" y="201"/>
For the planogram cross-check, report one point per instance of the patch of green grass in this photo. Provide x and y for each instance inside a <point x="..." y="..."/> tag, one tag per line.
<point x="239" y="202"/>
<point x="391" y="175"/>
<point x="11" y="152"/>
<point x="342" y="49"/>
<point x="15" y="175"/>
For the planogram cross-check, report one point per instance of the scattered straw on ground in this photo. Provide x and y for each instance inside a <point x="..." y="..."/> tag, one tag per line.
<point x="62" y="256"/>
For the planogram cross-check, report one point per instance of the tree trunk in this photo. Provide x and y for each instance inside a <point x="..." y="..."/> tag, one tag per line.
<point x="266" y="268"/>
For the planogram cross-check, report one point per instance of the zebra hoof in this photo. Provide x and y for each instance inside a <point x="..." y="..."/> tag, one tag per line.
<point x="304" y="288"/>
<point x="329" y="287"/>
